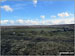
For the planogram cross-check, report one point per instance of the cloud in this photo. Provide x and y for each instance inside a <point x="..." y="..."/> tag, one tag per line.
<point x="63" y="21"/>
<point x="38" y="22"/>
<point x="35" y="2"/>
<point x="7" y="22"/>
<point x="63" y="14"/>
<point x="42" y="16"/>
<point x="11" y="22"/>
<point x="31" y="22"/>
<point x="20" y="21"/>
<point x="46" y="22"/>
<point x="4" y="21"/>
<point x="27" y="22"/>
<point x="7" y="8"/>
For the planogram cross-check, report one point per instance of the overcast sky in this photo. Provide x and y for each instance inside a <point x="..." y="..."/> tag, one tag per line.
<point x="37" y="12"/>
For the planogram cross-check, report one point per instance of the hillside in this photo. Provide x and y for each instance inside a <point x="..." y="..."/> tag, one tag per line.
<point x="37" y="40"/>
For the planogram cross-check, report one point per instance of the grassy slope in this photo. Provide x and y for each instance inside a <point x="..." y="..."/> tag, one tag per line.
<point x="33" y="41"/>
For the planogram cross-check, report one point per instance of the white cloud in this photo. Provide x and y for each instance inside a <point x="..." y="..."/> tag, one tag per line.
<point x="42" y="16"/>
<point x="20" y="21"/>
<point x="67" y="21"/>
<point x="63" y="21"/>
<point x="58" y="21"/>
<point x="46" y="22"/>
<point x="63" y="14"/>
<point x="11" y="22"/>
<point x="7" y="22"/>
<point x="39" y="22"/>
<point x="4" y="21"/>
<point x="27" y="22"/>
<point x="7" y="8"/>
<point x="31" y="22"/>
<point x="35" y="2"/>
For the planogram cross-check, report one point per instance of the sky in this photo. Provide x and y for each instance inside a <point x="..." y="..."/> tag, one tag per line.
<point x="37" y="12"/>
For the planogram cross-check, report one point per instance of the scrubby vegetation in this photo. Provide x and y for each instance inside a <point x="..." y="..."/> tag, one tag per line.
<point x="37" y="41"/>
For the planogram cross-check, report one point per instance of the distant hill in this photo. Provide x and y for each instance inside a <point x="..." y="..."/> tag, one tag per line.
<point x="41" y="26"/>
